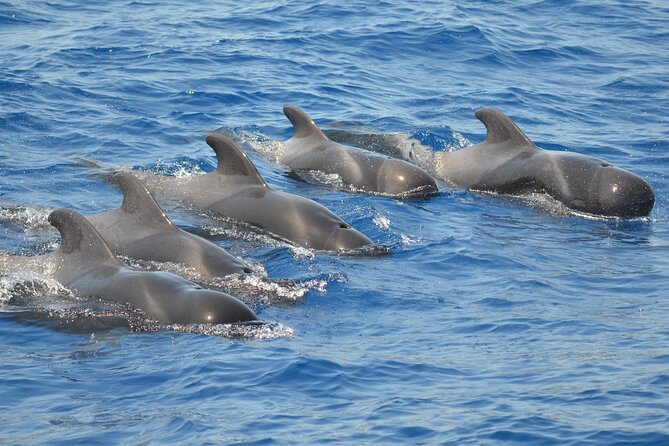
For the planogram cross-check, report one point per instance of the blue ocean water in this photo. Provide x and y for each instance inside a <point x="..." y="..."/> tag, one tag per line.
<point x="493" y="321"/>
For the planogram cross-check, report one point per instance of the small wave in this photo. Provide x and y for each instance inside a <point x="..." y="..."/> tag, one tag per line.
<point x="406" y="240"/>
<point x="257" y="287"/>
<point x="31" y="218"/>
<point x="258" y="331"/>
<point x="261" y="144"/>
<point x="25" y="286"/>
<point x="381" y="222"/>
<point x="184" y="168"/>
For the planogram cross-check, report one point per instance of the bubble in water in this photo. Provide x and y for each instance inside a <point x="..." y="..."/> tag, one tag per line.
<point x="382" y="222"/>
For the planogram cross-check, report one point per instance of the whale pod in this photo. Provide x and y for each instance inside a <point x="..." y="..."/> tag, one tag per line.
<point x="236" y="190"/>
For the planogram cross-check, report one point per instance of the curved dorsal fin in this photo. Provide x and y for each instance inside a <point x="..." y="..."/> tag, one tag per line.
<point x="500" y="128"/>
<point x="231" y="158"/>
<point x="78" y="237"/>
<point x="302" y="124"/>
<point x="137" y="199"/>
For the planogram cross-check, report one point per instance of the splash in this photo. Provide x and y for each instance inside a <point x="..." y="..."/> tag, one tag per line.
<point x="184" y="170"/>
<point x="27" y="286"/>
<point x="254" y="288"/>
<point x="381" y="222"/>
<point x="34" y="219"/>
<point x="405" y="240"/>
<point x="261" y="144"/>
<point x="250" y="331"/>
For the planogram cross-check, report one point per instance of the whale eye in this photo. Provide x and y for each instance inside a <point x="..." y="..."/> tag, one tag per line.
<point x="344" y="226"/>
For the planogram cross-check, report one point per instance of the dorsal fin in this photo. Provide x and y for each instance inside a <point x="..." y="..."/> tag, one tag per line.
<point x="302" y="124"/>
<point x="500" y="128"/>
<point x="137" y="199"/>
<point x="231" y="158"/>
<point x="78" y="237"/>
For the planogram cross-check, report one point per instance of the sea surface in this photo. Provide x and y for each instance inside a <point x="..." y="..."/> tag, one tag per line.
<point x="494" y="320"/>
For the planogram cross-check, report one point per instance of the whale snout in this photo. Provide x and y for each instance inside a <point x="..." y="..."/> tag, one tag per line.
<point x="345" y="238"/>
<point x="623" y="194"/>
<point x="398" y="177"/>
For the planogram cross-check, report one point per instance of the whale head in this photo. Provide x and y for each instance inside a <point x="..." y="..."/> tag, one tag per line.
<point x="588" y="184"/>
<point x="213" y="307"/>
<point x="310" y="224"/>
<point x="398" y="177"/>
<point x="345" y="238"/>
<point x="616" y="192"/>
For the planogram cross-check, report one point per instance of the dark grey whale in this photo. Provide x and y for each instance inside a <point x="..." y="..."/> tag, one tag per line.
<point x="507" y="162"/>
<point x="140" y="229"/>
<point x="310" y="149"/>
<point x="236" y="190"/>
<point x="86" y="265"/>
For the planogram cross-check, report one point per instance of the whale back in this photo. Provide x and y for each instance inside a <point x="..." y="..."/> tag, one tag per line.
<point x="138" y="201"/>
<point x="501" y="129"/>
<point x="80" y="242"/>
<point x="232" y="160"/>
<point x="303" y="125"/>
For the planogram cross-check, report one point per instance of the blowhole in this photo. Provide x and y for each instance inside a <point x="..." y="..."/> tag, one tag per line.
<point x="606" y="165"/>
<point x="344" y="226"/>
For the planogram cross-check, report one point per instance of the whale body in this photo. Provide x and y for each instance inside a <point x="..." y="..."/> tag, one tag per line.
<point x="139" y="229"/>
<point x="86" y="265"/>
<point x="236" y="190"/>
<point x="507" y="162"/>
<point x="310" y="149"/>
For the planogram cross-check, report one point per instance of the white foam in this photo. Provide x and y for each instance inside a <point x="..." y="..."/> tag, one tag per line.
<point x="261" y="144"/>
<point x="256" y="287"/>
<point x="30" y="285"/>
<point x="31" y="218"/>
<point x="259" y="331"/>
<point x="381" y="221"/>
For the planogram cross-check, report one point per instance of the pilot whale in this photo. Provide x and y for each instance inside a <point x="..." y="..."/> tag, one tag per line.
<point x="140" y="229"/>
<point x="236" y="190"/>
<point x="310" y="149"/>
<point x="507" y="162"/>
<point x="86" y="265"/>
